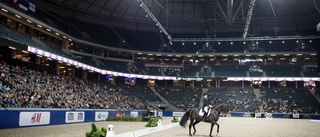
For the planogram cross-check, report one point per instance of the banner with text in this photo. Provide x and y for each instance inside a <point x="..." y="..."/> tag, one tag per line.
<point x="178" y="114"/>
<point x="72" y="117"/>
<point x="101" y="116"/>
<point x="34" y="118"/>
<point x="295" y="115"/>
<point x="134" y="114"/>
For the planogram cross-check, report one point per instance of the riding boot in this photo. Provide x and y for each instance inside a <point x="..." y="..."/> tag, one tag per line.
<point x="204" y="117"/>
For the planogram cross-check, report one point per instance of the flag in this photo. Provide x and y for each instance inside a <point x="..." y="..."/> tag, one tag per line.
<point x="24" y="4"/>
<point x="32" y="7"/>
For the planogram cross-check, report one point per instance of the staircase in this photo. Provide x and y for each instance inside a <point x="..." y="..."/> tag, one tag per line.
<point x="313" y="93"/>
<point x="264" y="74"/>
<point x="197" y="74"/>
<point x="258" y="94"/>
<point x="170" y="107"/>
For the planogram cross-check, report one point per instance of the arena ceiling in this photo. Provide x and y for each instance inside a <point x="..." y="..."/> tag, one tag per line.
<point x="192" y="16"/>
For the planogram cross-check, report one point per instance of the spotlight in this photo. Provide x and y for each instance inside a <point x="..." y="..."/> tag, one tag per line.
<point x="270" y="42"/>
<point x="310" y="41"/>
<point x="257" y="42"/>
<point x="207" y="43"/>
<point x="4" y="10"/>
<point x="219" y="43"/>
<point x="147" y="15"/>
<point x="244" y="42"/>
<point x="297" y="41"/>
<point x="182" y="43"/>
<point x="160" y="31"/>
<point x="283" y="42"/>
<point x="231" y="43"/>
<point x="194" y="43"/>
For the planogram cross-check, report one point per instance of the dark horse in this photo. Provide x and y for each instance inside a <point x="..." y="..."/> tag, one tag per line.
<point x="212" y="118"/>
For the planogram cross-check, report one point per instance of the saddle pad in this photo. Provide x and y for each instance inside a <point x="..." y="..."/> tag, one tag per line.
<point x="201" y="113"/>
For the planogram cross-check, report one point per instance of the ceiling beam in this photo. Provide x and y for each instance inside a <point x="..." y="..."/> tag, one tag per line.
<point x="125" y="12"/>
<point x="105" y="3"/>
<point x="91" y="4"/>
<point x="156" y="21"/>
<point x="247" y="25"/>
<point x="224" y="14"/>
<point x="274" y="13"/>
<point x="230" y="10"/>
<point x="316" y="5"/>
<point x="309" y="37"/>
<point x="236" y="14"/>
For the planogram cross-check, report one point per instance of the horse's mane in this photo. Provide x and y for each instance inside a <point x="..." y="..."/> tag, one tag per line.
<point x="220" y="105"/>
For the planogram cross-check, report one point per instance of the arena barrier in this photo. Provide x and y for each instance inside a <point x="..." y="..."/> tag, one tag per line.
<point x="275" y="115"/>
<point x="27" y="117"/>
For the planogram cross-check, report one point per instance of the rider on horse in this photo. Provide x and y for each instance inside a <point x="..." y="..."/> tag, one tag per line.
<point x="206" y="105"/>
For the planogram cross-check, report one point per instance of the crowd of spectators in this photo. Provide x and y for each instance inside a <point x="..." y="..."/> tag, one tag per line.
<point x="22" y="87"/>
<point x="240" y="100"/>
<point x="181" y="98"/>
<point x="288" y="101"/>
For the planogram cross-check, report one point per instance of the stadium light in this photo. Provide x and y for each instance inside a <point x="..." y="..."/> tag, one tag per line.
<point x="270" y="38"/>
<point x="18" y="16"/>
<point x="246" y="27"/>
<point x="4" y="10"/>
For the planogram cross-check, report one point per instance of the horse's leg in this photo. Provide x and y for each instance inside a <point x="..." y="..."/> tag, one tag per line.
<point x="194" y="128"/>
<point x="218" y="126"/>
<point x="191" y="122"/>
<point x="212" y="124"/>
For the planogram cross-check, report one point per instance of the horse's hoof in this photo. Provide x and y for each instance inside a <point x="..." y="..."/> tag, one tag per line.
<point x="190" y="134"/>
<point x="217" y="135"/>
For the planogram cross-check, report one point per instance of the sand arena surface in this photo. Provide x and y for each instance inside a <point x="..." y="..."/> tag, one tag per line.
<point x="250" y="127"/>
<point x="229" y="127"/>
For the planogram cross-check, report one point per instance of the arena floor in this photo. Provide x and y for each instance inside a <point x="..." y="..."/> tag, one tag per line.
<point x="229" y="127"/>
<point x="250" y="127"/>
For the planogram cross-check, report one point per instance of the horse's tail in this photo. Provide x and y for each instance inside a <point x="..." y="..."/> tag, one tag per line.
<point x="184" y="119"/>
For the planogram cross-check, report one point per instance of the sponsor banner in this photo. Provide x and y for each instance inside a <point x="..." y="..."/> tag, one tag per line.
<point x="120" y="114"/>
<point x="295" y="115"/>
<point x="134" y="114"/>
<point x="24" y="4"/>
<point x="34" y="118"/>
<point x="101" y="116"/>
<point x="72" y="117"/>
<point x="32" y="7"/>
<point x="178" y="114"/>
<point x="258" y="114"/>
